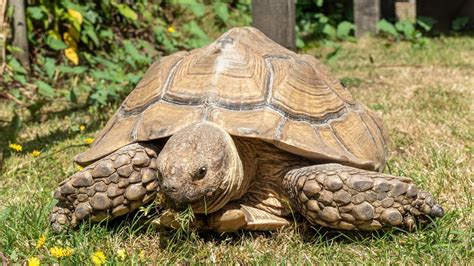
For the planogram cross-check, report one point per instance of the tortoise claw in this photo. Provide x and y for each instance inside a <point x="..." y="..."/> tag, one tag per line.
<point x="409" y="222"/>
<point x="437" y="211"/>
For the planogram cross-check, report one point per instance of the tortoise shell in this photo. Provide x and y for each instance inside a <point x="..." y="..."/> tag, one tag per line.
<point x="251" y="87"/>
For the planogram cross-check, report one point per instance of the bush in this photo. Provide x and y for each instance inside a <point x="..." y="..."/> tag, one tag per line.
<point x="107" y="45"/>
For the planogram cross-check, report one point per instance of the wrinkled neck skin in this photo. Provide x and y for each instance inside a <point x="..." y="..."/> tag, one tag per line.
<point x="265" y="166"/>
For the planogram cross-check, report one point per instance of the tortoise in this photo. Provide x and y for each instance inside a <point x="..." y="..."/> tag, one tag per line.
<point x="246" y="133"/>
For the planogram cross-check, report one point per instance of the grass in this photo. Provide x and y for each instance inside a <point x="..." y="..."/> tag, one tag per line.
<point x="425" y="98"/>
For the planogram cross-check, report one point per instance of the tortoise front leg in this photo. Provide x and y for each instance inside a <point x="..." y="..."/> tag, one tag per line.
<point x="348" y="198"/>
<point x="113" y="186"/>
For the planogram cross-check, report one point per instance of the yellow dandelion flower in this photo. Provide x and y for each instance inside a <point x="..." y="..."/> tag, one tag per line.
<point x="56" y="252"/>
<point x="89" y="140"/>
<point x="15" y="147"/>
<point x="41" y="241"/>
<point x="98" y="258"/>
<point x="35" y="153"/>
<point x="79" y="168"/>
<point x="82" y="127"/>
<point x="141" y="255"/>
<point x="121" y="254"/>
<point x="59" y="252"/>
<point x="33" y="261"/>
<point x="170" y="29"/>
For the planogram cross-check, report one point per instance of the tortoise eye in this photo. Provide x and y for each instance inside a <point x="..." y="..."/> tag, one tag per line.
<point x="201" y="172"/>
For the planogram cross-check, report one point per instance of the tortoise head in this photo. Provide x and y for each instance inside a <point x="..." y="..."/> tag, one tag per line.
<point x="200" y="166"/>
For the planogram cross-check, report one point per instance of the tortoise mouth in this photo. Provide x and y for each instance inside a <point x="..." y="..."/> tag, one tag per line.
<point x="198" y="199"/>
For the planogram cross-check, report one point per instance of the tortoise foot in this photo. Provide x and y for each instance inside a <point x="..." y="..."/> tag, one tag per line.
<point x="348" y="198"/>
<point x="113" y="186"/>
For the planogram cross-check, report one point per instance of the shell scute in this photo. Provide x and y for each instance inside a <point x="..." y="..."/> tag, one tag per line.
<point x="242" y="122"/>
<point x="165" y="119"/>
<point x="151" y="85"/>
<point x="298" y="89"/>
<point x="203" y="74"/>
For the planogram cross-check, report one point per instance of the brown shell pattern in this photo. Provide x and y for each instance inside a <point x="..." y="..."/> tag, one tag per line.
<point x="252" y="87"/>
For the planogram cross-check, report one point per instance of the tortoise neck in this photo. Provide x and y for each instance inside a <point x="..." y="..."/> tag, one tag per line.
<point x="260" y="158"/>
<point x="233" y="183"/>
<point x="248" y="158"/>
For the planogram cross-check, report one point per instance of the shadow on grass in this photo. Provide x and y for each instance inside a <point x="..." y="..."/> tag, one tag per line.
<point x="137" y="223"/>
<point x="44" y="142"/>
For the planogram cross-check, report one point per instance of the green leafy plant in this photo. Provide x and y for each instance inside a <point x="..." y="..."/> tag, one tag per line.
<point x="425" y="23"/>
<point x="324" y="23"/>
<point x="406" y="30"/>
<point x="323" y="20"/>
<point x="460" y="23"/>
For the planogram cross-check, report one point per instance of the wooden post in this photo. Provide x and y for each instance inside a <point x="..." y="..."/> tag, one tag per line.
<point x="276" y="18"/>
<point x="20" y="35"/>
<point x="406" y="10"/>
<point x="3" y="35"/>
<point x="366" y="16"/>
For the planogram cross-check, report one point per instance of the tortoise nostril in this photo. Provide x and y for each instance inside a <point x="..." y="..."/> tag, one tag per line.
<point x="169" y="187"/>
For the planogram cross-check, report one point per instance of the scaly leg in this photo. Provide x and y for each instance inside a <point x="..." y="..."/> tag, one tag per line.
<point x="113" y="186"/>
<point x="348" y="198"/>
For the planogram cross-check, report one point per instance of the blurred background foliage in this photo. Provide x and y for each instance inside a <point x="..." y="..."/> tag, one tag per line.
<point x="94" y="52"/>
<point x="90" y="54"/>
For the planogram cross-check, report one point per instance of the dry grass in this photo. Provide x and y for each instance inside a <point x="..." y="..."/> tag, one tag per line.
<point x="425" y="98"/>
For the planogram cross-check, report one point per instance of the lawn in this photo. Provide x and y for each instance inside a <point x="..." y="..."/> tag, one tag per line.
<point x="425" y="97"/>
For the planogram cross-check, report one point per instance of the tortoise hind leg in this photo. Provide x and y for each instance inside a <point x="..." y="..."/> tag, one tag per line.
<point x="348" y="198"/>
<point x="113" y="186"/>
<point x="232" y="217"/>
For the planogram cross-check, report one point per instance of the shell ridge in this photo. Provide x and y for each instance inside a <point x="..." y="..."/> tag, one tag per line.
<point x="366" y="128"/>
<point x="135" y="127"/>
<point x="380" y="129"/>
<point x="170" y="78"/>
<point x="340" y="141"/>
<point x="270" y="75"/>
<point x="279" y="127"/>
<point x="268" y="79"/>
<point x="380" y="150"/>
<point x="380" y="132"/>
<point x="318" y="134"/>
<point x="261" y="105"/>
